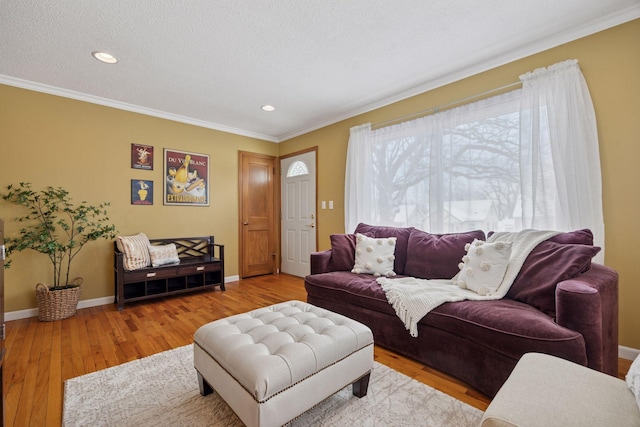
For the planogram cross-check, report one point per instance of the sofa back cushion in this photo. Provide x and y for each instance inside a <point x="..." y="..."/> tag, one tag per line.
<point x="402" y="239"/>
<point x="549" y="263"/>
<point x="578" y="237"/>
<point x="436" y="256"/>
<point x="343" y="249"/>
<point x="343" y="252"/>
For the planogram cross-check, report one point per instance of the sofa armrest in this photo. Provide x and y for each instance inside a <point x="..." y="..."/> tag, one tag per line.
<point x="588" y="304"/>
<point x="320" y="262"/>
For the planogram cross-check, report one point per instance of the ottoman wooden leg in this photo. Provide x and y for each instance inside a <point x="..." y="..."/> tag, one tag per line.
<point x="205" y="388"/>
<point x="361" y="386"/>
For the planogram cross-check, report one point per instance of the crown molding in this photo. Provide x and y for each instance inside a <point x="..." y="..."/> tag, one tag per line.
<point x="79" y="96"/>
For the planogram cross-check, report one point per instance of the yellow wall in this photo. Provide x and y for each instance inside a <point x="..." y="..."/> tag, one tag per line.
<point x="85" y="148"/>
<point x="610" y="62"/>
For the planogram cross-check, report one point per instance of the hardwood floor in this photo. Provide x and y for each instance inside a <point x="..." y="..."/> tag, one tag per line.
<point x="42" y="355"/>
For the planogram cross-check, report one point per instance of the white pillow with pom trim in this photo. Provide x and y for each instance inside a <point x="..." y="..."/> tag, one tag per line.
<point x="483" y="267"/>
<point x="375" y="256"/>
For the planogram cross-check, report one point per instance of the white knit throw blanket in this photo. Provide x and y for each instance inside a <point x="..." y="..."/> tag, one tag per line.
<point x="413" y="298"/>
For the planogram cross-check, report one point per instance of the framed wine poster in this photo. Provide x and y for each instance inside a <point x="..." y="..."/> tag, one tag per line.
<point x="141" y="192"/>
<point x="186" y="178"/>
<point x="141" y="157"/>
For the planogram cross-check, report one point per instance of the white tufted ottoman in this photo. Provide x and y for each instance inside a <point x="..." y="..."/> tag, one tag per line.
<point x="272" y="364"/>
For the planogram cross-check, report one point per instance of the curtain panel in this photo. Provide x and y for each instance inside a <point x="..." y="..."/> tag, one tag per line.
<point x="525" y="159"/>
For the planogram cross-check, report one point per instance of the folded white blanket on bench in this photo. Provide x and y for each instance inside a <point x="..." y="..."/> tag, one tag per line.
<point x="413" y="298"/>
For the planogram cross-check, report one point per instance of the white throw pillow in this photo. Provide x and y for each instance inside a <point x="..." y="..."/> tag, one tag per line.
<point x="163" y="254"/>
<point x="375" y="256"/>
<point x="633" y="379"/>
<point x="135" y="250"/>
<point x="483" y="267"/>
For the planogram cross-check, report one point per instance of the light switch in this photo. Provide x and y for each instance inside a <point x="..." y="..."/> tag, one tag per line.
<point x="324" y="204"/>
<point x="330" y="204"/>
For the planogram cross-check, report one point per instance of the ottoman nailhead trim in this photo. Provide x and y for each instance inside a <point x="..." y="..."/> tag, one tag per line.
<point x="286" y="388"/>
<point x="292" y="420"/>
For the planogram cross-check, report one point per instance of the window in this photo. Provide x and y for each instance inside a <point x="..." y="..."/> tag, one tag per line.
<point x="297" y="168"/>
<point x="526" y="159"/>
<point x="473" y="161"/>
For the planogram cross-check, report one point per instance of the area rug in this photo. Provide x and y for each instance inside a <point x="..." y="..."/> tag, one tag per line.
<point x="162" y="390"/>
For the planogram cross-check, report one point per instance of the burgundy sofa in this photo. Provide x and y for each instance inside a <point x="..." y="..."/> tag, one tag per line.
<point x="560" y="304"/>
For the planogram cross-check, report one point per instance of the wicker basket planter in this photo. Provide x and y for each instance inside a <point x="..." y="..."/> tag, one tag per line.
<point x="59" y="303"/>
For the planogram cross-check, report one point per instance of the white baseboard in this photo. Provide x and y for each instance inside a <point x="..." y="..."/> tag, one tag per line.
<point x="628" y="352"/>
<point x="33" y="312"/>
<point x="21" y="314"/>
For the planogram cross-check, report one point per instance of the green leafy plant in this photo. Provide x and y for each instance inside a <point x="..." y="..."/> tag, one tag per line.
<point x="55" y="226"/>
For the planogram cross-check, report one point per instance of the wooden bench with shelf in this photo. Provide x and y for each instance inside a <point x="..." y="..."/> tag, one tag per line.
<point x="201" y="267"/>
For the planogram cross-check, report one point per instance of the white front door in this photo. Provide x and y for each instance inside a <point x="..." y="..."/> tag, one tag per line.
<point x="298" y="212"/>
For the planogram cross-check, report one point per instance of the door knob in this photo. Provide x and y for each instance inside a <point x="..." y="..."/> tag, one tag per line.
<point x="245" y="223"/>
<point x="312" y="225"/>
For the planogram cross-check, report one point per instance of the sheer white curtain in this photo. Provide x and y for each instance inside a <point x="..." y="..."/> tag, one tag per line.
<point x="557" y="119"/>
<point x="359" y="201"/>
<point x="370" y="172"/>
<point x="525" y="159"/>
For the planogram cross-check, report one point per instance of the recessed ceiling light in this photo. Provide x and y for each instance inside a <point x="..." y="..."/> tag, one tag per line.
<point x="105" y="57"/>
<point x="268" y="107"/>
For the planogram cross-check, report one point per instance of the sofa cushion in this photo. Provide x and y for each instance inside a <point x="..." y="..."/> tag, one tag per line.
<point x="549" y="263"/>
<point x="348" y="288"/>
<point x="436" y="256"/>
<point x="483" y="267"/>
<point x="375" y="256"/>
<point x="343" y="249"/>
<point x="402" y="235"/>
<point x="509" y="327"/>
<point x="577" y="237"/>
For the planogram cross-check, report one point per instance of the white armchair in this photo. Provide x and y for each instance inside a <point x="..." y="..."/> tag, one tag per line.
<point x="544" y="390"/>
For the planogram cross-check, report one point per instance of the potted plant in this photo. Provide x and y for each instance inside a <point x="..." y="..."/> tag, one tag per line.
<point x="56" y="227"/>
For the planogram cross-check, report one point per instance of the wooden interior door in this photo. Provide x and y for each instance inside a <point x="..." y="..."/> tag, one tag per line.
<point x="257" y="215"/>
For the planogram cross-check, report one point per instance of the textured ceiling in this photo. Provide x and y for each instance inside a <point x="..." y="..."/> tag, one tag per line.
<point x="213" y="63"/>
